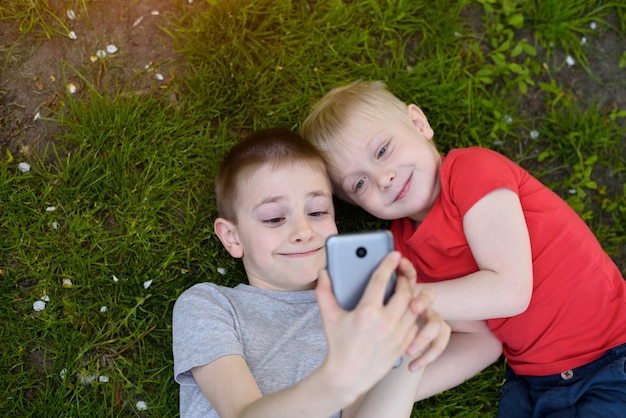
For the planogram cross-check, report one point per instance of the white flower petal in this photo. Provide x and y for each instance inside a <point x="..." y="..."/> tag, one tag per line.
<point x="103" y="309"/>
<point x="115" y="279"/>
<point x="534" y="134"/>
<point x="147" y="284"/>
<point x="71" y="15"/>
<point x="569" y="60"/>
<point x="39" y="305"/>
<point x="103" y="379"/>
<point x="141" y="406"/>
<point x="51" y="208"/>
<point x="101" y="53"/>
<point x="45" y="298"/>
<point x="111" y="49"/>
<point x="221" y="270"/>
<point x="67" y="282"/>
<point x="23" y="167"/>
<point x="72" y="35"/>
<point x="54" y="225"/>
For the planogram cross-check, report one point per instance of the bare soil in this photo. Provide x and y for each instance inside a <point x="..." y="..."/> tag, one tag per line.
<point x="36" y="72"/>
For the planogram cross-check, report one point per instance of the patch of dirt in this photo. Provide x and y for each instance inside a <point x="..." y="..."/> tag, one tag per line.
<point x="36" y="72"/>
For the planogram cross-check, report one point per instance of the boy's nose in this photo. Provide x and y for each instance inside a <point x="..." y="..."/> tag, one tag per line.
<point x="302" y="230"/>
<point x="385" y="179"/>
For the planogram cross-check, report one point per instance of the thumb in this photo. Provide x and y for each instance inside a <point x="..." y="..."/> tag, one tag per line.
<point x="325" y="296"/>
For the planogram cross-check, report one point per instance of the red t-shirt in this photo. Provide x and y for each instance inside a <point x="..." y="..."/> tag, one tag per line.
<point x="578" y="306"/>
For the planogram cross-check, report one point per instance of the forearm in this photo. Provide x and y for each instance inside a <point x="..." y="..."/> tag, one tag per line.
<point x="317" y="395"/>
<point x="392" y="397"/>
<point x="481" y="295"/>
<point x="314" y="396"/>
<point x="466" y="355"/>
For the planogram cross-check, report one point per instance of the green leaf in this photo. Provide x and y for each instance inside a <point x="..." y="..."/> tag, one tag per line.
<point x="517" y="21"/>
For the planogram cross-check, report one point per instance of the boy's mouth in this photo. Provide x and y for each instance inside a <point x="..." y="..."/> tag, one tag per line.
<point x="302" y="253"/>
<point x="405" y="189"/>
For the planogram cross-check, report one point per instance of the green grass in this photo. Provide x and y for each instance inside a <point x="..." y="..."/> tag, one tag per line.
<point x="131" y="179"/>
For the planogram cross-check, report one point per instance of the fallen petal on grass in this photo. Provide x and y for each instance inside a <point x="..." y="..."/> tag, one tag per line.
<point x="23" y="167"/>
<point x="147" y="284"/>
<point x="103" y="309"/>
<point x="103" y="379"/>
<point x="67" y="282"/>
<point x="39" y="305"/>
<point x="569" y="60"/>
<point x="72" y="35"/>
<point x="141" y="406"/>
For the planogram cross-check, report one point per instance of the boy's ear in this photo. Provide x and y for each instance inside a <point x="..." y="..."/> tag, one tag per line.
<point x="419" y="121"/>
<point x="226" y="231"/>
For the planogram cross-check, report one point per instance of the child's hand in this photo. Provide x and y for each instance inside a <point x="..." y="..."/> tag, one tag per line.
<point x="363" y="344"/>
<point x="433" y="335"/>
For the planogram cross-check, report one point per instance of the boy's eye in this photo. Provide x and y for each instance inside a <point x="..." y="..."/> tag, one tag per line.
<point x="273" y="221"/>
<point x="318" y="214"/>
<point x="359" y="184"/>
<point x="381" y="152"/>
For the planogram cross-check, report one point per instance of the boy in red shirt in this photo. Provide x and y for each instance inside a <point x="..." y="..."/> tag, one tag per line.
<point x="496" y="245"/>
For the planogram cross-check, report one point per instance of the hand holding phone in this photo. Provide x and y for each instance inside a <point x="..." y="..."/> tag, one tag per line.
<point x="351" y="260"/>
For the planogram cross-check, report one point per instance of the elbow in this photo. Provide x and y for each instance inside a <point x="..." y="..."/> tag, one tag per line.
<point x="521" y="296"/>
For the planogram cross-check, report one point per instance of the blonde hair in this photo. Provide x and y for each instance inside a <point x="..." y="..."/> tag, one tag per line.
<point x="330" y="118"/>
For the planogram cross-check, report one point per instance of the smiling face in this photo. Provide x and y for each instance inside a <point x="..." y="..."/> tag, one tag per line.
<point x="284" y="215"/>
<point x="390" y="168"/>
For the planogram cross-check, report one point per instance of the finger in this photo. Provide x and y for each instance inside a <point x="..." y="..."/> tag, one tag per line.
<point x="434" y="349"/>
<point x="326" y="300"/>
<point x="424" y="300"/>
<point x="375" y="290"/>
<point x="406" y="268"/>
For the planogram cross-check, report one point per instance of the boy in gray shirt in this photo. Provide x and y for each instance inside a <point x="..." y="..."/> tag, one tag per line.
<point x="281" y="345"/>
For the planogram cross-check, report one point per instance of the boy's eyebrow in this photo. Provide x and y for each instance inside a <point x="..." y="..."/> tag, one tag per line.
<point x="274" y="199"/>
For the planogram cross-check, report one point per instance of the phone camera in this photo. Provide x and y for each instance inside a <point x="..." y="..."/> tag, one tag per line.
<point x="361" y="252"/>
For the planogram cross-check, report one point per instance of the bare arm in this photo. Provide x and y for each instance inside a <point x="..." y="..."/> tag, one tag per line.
<point x="471" y="349"/>
<point x="497" y="234"/>
<point x="394" y="395"/>
<point x="363" y="344"/>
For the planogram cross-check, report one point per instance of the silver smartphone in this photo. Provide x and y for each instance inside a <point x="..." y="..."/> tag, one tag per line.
<point x="351" y="260"/>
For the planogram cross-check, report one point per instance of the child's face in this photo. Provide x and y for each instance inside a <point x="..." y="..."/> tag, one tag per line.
<point x="284" y="216"/>
<point x="390" y="169"/>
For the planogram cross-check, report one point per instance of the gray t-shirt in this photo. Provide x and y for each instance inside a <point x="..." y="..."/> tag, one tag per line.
<point x="279" y="334"/>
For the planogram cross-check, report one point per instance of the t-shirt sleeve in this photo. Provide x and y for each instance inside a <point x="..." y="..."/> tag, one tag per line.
<point x="204" y="328"/>
<point x="476" y="172"/>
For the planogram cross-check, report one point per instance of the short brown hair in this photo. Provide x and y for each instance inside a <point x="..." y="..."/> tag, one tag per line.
<point x="275" y="146"/>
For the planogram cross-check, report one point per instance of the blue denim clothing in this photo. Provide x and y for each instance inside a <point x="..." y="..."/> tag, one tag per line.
<point x="596" y="389"/>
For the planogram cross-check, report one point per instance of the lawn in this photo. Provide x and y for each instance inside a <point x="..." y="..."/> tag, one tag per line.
<point x="102" y="232"/>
